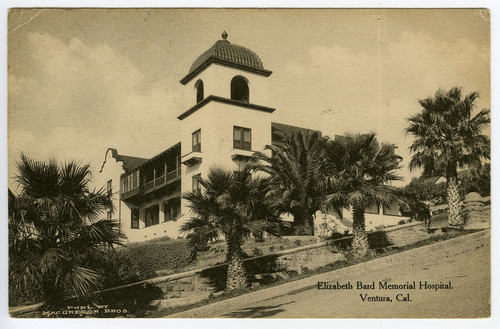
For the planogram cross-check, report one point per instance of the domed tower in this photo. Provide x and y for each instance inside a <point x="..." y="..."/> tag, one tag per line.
<point x="226" y="118"/>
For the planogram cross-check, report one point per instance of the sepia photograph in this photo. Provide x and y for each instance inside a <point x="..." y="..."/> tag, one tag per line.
<point x="195" y="163"/>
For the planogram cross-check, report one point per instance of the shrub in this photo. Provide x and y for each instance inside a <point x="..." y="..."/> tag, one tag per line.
<point x="160" y="255"/>
<point x="401" y="222"/>
<point x="132" y="263"/>
<point x="121" y="268"/>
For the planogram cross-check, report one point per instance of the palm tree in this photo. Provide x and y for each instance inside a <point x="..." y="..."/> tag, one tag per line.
<point x="359" y="168"/>
<point x="449" y="137"/>
<point x="295" y="169"/>
<point x="232" y="205"/>
<point x="414" y="207"/>
<point x="55" y="229"/>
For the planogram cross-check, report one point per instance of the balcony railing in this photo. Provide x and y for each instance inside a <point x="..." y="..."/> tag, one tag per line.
<point x="154" y="184"/>
<point x="162" y="180"/>
<point x="173" y="175"/>
<point x="132" y="192"/>
<point x="149" y="186"/>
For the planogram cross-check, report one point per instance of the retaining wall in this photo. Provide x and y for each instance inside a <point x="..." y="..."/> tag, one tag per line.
<point x="477" y="213"/>
<point x="193" y="286"/>
<point x="437" y="251"/>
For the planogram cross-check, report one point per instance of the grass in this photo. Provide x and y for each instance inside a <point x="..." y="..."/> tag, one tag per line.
<point x="163" y="312"/>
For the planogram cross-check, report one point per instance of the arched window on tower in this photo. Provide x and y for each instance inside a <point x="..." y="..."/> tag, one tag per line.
<point x="199" y="91"/>
<point x="239" y="89"/>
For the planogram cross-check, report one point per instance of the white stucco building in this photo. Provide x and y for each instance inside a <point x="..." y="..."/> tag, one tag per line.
<point x="224" y="121"/>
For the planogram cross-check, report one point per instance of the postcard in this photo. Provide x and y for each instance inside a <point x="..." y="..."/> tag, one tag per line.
<point x="249" y="163"/>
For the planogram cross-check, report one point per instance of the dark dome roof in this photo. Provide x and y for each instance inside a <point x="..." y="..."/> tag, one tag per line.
<point x="226" y="51"/>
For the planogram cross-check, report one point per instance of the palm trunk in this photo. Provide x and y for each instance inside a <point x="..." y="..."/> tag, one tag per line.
<point x="453" y="199"/>
<point x="236" y="274"/>
<point x="303" y="224"/>
<point x="310" y="221"/>
<point x="360" y="247"/>
<point x="53" y="294"/>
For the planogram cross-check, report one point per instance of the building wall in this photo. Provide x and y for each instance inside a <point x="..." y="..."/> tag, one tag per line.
<point x="217" y="81"/>
<point x="216" y="121"/>
<point x="373" y="220"/>
<point x="111" y="170"/>
<point x="162" y="229"/>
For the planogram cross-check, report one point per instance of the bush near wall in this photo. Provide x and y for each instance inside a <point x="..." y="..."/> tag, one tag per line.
<point x="159" y="255"/>
<point x="132" y="263"/>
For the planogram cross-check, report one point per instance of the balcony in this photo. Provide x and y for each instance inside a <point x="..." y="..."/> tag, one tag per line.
<point x="135" y="194"/>
<point x="163" y="180"/>
<point x="152" y="179"/>
<point x="239" y="154"/>
<point x="192" y="158"/>
<point x="131" y="193"/>
<point x="173" y="175"/>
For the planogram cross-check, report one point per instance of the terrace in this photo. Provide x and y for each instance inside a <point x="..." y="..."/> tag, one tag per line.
<point x="160" y="174"/>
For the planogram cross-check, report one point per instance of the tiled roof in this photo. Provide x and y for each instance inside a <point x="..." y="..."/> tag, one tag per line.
<point x="289" y="129"/>
<point x="226" y="51"/>
<point x="434" y="179"/>
<point x="431" y="180"/>
<point x="128" y="162"/>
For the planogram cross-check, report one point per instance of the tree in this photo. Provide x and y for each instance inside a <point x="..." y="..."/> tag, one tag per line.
<point x="231" y="205"/>
<point x="359" y="168"/>
<point x="55" y="230"/>
<point x="477" y="180"/>
<point x="426" y="189"/>
<point x="295" y="169"/>
<point x="413" y="206"/>
<point x="449" y="137"/>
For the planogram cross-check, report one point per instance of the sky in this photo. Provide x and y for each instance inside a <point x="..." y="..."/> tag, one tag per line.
<point x="81" y="81"/>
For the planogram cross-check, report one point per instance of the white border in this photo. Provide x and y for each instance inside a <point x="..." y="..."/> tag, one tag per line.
<point x="493" y="322"/>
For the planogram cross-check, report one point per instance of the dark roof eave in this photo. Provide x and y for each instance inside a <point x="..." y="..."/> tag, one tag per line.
<point x="225" y="101"/>
<point x="156" y="157"/>
<point x="217" y="60"/>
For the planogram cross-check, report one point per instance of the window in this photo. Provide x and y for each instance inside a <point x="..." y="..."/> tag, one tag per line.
<point x="196" y="183"/>
<point x="199" y="91"/>
<point x="152" y="215"/>
<point x="129" y="182"/>
<point x="135" y="179"/>
<point x="242" y="138"/>
<point x="373" y="209"/>
<point x="391" y="211"/>
<point x="109" y="187"/>
<point x="109" y="215"/>
<point x="239" y="89"/>
<point x="197" y="141"/>
<point x="135" y="218"/>
<point x="172" y="209"/>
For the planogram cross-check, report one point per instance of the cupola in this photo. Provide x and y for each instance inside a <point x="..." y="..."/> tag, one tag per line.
<point x="225" y="53"/>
